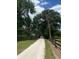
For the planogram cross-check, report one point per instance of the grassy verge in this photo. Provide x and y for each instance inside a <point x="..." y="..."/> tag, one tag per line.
<point x="48" y="51"/>
<point x="21" y="45"/>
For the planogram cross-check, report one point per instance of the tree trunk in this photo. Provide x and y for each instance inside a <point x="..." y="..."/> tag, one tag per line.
<point x="49" y="28"/>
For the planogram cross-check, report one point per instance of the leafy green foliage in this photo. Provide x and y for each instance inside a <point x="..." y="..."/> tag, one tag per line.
<point x="47" y="23"/>
<point x="45" y="19"/>
<point x="24" y="7"/>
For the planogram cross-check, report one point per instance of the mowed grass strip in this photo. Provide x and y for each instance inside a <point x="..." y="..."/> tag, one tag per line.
<point x="22" y="45"/>
<point x="48" y="51"/>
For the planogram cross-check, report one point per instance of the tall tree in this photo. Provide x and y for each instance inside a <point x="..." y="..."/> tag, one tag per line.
<point x="48" y="16"/>
<point x="24" y="7"/>
<point x="48" y="23"/>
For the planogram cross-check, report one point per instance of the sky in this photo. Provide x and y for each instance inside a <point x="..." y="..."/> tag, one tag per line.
<point x="41" y="5"/>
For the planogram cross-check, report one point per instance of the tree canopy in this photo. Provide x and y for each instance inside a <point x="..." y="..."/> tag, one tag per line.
<point x="46" y="24"/>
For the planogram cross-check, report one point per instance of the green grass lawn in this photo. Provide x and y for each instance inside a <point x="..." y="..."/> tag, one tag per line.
<point x="48" y="51"/>
<point x="21" y="45"/>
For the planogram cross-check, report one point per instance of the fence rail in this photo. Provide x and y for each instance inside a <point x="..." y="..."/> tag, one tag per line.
<point x="58" y="43"/>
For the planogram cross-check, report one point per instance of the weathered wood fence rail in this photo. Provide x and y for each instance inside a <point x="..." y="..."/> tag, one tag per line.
<point x="58" y="43"/>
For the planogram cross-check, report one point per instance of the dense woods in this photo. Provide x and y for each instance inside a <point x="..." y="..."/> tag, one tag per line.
<point x="46" y="24"/>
